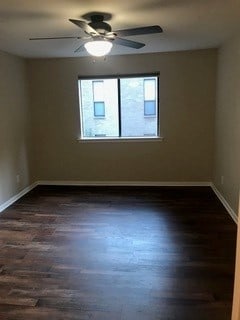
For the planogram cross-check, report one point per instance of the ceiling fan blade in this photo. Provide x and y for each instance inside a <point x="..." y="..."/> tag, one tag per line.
<point x="138" y="31"/>
<point x="55" y="38"/>
<point x="86" y="28"/>
<point x="128" y="43"/>
<point x="80" y="48"/>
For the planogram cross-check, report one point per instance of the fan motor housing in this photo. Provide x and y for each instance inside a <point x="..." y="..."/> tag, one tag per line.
<point x="98" y="24"/>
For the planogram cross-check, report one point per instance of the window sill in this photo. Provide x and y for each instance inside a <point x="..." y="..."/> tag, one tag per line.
<point x="123" y="139"/>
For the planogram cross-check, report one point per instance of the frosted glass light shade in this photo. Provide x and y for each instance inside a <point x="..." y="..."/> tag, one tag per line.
<point x="98" y="48"/>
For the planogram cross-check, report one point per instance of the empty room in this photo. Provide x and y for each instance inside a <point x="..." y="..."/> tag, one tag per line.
<point x="119" y="160"/>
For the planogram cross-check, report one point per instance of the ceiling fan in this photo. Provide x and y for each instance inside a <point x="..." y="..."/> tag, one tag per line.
<point x="100" y="36"/>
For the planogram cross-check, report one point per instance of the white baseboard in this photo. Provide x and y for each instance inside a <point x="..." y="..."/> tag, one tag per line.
<point x="231" y="212"/>
<point x="17" y="196"/>
<point x="98" y="183"/>
<point x="124" y="183"/>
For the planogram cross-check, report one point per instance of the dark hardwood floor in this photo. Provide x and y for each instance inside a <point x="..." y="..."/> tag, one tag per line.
<point x="116" y="254"/>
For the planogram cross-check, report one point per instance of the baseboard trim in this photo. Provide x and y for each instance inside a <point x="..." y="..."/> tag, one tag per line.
<point x="231" y="212"/>
<point x="124" y="183"/>
<point x="13" y="199"/>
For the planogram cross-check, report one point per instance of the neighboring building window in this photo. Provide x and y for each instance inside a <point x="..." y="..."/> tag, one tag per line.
<point x="99" y="109"/>
<point x="98" y="98"/>
<point x="119" y="107"/>
<point x="149" y="97"/>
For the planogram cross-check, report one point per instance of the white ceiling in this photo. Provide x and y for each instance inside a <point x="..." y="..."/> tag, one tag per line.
<point x="187" y="24"/>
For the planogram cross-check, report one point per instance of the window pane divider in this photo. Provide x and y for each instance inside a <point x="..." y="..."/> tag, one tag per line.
<point x="119" y="109"/>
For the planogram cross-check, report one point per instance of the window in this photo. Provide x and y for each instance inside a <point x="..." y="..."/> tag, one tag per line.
<point x="99" y="109"/>
<point x="98" y="98"/>
<point x="119" y="107"/>
<point x="149" y="97"/>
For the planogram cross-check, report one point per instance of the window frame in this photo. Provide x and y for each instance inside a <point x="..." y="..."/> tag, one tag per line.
<point x="118" y="77"/>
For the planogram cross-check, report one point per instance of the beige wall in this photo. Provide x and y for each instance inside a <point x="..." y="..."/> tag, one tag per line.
<point x="187" y="97"/>
<point x="227" y="152"/>
<point x="13" y="127"/>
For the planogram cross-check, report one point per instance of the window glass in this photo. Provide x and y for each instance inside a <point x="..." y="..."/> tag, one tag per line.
<point x="133" y="122"/>
<point x="99" y="109"/>
<point x="150" y="89"/>
<point x="149" y="108"/>
<point x="119" y="107"/>
<point x="98" y="90"/>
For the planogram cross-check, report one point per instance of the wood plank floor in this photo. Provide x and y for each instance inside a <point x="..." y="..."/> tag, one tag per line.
<point x="116" y="253"/>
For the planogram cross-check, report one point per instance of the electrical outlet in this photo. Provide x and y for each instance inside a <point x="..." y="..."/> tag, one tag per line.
<point x="222" y="180"/>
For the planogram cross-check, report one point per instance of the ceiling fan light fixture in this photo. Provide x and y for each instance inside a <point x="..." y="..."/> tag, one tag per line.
<point x="98" y="48"/>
